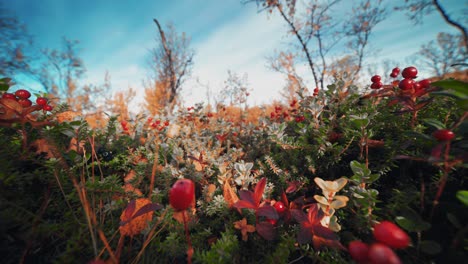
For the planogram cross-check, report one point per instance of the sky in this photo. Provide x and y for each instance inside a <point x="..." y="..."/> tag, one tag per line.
<point x="116" y="36"/>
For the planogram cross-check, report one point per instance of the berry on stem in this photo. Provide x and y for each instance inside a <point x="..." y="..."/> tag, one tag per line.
<point x="25" y="102"/>
<point x="382" y="254"/>
<point x="47" y="108"/>
<point x="9" y="96"/>
<point x="410" y="72"/>
<point x="182" y="194"/>
<point x="376" y="78"/>
<point x="443" y="135"/>
<point x="376" y="85"/>
<point x="41" y="101"/>
<point x="406" y="84"/>
<point x="391" y="235"/>
<point x="23" y="94"/>
<point x="359" y="251"/>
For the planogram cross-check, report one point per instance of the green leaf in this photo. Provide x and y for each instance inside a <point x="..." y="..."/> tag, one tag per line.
<point x="430" y="247"/>
<point x="463" y="197"/>
<point x="411" y="221"/>
<point x="454" y="221"/>
<point x="434" y="123"/>
<point x="454" y="85"/>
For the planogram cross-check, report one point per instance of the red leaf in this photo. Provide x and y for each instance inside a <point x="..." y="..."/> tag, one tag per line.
<point x="244" y="204"/>
<point x="284" y="199"/>
<point x="259" y="191"/>
<point x="293" y="186"/>
<point x="324" y="232"/>
<point x="266" y="230"/>
<point x="130" y="209"/>
<point x="436" y="152"/>
<point x="268" y="211"/>
<point x="299" y="215"/>
<point x="146" y="209"/>
<point x="247" y="196"/>
<point x="315" y="215"/>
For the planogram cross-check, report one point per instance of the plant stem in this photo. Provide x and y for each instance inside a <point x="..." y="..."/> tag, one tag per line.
<point x="189" y="241"/>
<point x="443" y="179"/>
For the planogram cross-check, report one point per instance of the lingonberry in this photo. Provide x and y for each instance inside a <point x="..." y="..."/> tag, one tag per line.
<point x="23" y="94"/>
<point x="410" y="72"/>
<point x="425" y="83"/>
<point x="395" y="72"/>
<point x="391" y="235"/>
<point x="9" y="96"/>
<point x="280" y="207"/>
<point x="47" y="107"/>
<point x="443" y="135"/>
<point x="25" y="102"/>
<point x="406" y="84"/>
<point x="41" y="101"/>
<point x="376" y="78"/>
<point x="376" y="85"/>
<point x="417" y="86"/>
<point x="182" y="194"/>
<point x="359" y="251"/>
<point x="382" y="254"/>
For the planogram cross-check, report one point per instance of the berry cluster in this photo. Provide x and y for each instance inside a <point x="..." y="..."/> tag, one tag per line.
<point x="408" y="82"/>
<point x="158" y="124"/>
<point x="389" y="236"/>
<point x="376" y="82"/>
<point x="22" y="97"/>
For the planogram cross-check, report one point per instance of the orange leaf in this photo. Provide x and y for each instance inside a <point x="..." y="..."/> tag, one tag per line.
<point x="229" y="194"/>
<point x="134" y="226"/>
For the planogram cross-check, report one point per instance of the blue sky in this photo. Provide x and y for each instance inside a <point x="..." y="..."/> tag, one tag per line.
<point x="116" y="36"/>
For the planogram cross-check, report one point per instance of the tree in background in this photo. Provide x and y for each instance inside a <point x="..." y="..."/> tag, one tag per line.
<point x="285" y="64"/>
<point x="443" y="55"/>
<point x="15" y="42"/>
<point x="320" y="31"/>
<point x="417" y="10"/>
<point x="170" y="64"/>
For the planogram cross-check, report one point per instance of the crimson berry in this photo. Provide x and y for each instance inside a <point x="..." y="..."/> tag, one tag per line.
<point x="25" y="102"/>
<point x="280" y="207"/>
<point x="376" y="85"/>
<point x="47" y="108"/>
<point x="23" y="94"/>
<point x="182" y="194"/>
<point x="443" y="135"/>
<point x="9" y="96"/>
<point x="406" y="84"/>
<point x="410" y="72"/>
<point x="425" y="83"/>
<point x="359" y="251"/>
<point x="396" y="70"/>
<point x="41" y="101"/>
<point x="376" y="78"/>
<point x="393" y="75"/>
<point x="390" y="234"/>
<point x="382" y="254"/>
<point x="166" y="123"/>
<point x="417" y="86"/>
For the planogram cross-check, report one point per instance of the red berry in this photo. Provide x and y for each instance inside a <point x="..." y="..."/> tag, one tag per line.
<point x="417" y="86"/>
<point x="47" y="108"/>
<point x="396" y="70"/>
<point x="406" y="84"/>
<point x="382" y="254"/>
<point x="41" y="101"/>
<point x="23" y="94"/>
<point x="182" y="194"/>
<point x="359" y="251"/>
<point x="376" y="85"/>
<point x="9" y="96"/>
<point x="280" y="207"/>
<point x="272" y="221"/>
<point x="25" y="102"/>
<point x="166" y="123"/>
<point x="393" y="75"/>
<point x="425" y="83"/>
<point x="390" y="234"/>
<point x="376" y="78"/>
<point x="443" y="135"/>
<point x="410" y="72"/>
